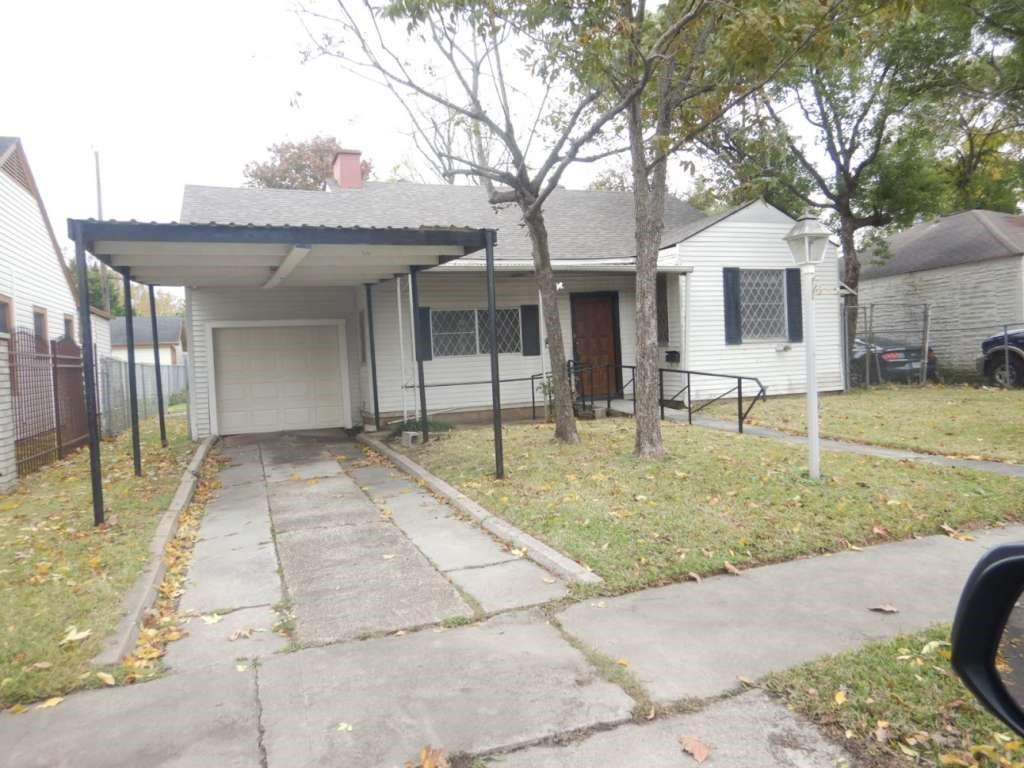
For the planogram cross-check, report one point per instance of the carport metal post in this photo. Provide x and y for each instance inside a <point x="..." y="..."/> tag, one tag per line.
<point x="89" y="371"/>
<point x="156" y="368"/>
<point x="492" y="339"/>
<point x="373" y="356"/>
<point x="133" y="396"/>
<point x="417" y="333"/>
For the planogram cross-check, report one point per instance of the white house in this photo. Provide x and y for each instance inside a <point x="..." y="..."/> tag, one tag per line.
<point x="172" y="344"/>
<point x="968" y="268"/>
<point x="285" y="346"/>
<point x="36" y="292"/>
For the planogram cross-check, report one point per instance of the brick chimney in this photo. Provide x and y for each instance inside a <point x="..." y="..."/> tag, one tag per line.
<point x="347" y="168"/>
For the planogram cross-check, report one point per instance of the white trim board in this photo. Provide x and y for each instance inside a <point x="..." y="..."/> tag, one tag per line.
<point x="346" y="394"/>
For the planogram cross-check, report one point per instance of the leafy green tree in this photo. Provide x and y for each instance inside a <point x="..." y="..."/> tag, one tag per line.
<point x="96" y="276"/>
<point x="298" y="165"/>
<point x="851" y="126"/>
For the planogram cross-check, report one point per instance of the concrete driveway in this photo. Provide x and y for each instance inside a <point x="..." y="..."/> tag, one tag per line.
<point x="374" y="579"/>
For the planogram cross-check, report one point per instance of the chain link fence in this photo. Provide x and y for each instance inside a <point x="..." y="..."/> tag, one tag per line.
<point x="115" y="415"/>
<point x="908" y="343"/>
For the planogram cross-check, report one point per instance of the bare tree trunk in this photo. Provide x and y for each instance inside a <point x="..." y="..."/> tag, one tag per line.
<point x="565" y="419"/>
<point x="851" y="276"/>
<point x="649" y="190"/>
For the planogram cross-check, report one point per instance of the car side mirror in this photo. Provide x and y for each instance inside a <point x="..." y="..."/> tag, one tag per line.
<point x="988" y="634"/>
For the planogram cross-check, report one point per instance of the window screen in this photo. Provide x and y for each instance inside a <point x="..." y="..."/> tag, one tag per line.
<point x="763" y="303"/>
<point x="509" y="336"/>
<point x="5" y="315"/>
<point x="39" y="330"/>
<point x="453" y="332"/>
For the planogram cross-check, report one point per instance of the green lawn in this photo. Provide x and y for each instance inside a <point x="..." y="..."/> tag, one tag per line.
<point x="899" y="703"/>
<point x="60" y="577"/>
<point x="718" y="498"/>
<point x="948" y="420"/>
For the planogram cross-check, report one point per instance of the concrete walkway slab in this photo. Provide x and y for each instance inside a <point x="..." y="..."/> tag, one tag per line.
<point x="303" y="469"/>
<point x="325" y="503"/>
<point x="514" y="584"/>
<point x="243" y="634"/>
<point x="410" y="509"/>
<point x="451" y="544"/>
<point x="479" y="688"/>
<point x="223" y="576"/>
<point x="696" y="640"/>
<point x="748" y="731"/>
<point x="240" y="474"/>
<point x="180" y="721"/>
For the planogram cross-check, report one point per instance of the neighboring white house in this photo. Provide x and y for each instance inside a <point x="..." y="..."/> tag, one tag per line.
<point x="170" y="331"/>
<point x="100" y="332"/>
<point x="36" y="292"/>
<point x="285" y="353"/>
<point x="968" y="268"/>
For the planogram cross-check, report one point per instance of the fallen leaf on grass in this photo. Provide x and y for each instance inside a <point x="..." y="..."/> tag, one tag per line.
<point x="622" y="662"/>
<point x="107" y="678"/>
<point x="840" y="698"/>
<point x="74" y="634"/>
<point x="51" y="702"/>
<point x="694" y="577"/>
<point x="731" y="568"/>
<point x="953" y="533"/>
<point x="694" y="747"/>
<point x="885" y="608"/>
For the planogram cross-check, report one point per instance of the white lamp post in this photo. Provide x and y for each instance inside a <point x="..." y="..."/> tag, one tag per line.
<point x="807" y="241"/>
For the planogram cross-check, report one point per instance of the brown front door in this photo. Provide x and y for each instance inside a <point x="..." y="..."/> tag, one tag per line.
<point x="595" y="340"/>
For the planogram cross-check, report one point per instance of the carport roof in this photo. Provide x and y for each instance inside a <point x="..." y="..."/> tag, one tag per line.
<point x="269" y="256"/>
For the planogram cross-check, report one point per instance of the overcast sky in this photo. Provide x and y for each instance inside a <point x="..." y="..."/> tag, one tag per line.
<point x="172" y="94"/>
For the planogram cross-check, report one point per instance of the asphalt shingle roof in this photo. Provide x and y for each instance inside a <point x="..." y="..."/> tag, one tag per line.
<point x="963" y="238"/>
<point x="168" y="330"/>
<point x="582" y="224"/>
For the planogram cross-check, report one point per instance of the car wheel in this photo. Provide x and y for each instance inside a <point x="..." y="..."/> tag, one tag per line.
<point x="1000" y="375"/>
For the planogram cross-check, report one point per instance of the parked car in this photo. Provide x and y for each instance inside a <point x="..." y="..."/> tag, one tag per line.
<point x="888" y="360"/>
<point x="1002" y="359"/>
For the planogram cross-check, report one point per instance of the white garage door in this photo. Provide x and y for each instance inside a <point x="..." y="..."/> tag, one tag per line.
<point x="277" y="378"/>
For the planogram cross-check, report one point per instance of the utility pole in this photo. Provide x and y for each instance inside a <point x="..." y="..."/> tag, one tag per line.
<point x="104" y="277"/>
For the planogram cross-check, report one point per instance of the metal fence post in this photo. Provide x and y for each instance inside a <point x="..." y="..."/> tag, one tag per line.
<point x="1006" y="357"/>
<point x="924" y="346"/>
<point x="56" y="399"/>
<point x="661" y="392"/>
<point x="689" y="400"/>
<point x="739" y="405"/>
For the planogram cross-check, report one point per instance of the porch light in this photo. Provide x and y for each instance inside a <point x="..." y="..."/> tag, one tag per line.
<point x="807" y="241"/>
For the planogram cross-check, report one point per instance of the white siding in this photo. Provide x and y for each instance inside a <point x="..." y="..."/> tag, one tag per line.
<point x="30" y="273"/>
<point x="169" y="354"/>
<point x="467" y="291"/>
<point x="752" y="239"/>
<point x="205" y="306"/>
<point x="967" y="303"/>
<point x="100" y="335"/>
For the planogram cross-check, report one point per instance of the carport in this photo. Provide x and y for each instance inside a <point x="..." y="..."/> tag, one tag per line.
<point x="262" y="258"/>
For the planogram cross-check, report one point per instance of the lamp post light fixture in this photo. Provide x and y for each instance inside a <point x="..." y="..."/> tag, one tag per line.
<point x="807" y="241"/>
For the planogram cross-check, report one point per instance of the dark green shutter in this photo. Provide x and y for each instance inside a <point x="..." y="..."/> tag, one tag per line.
<point x="731" y="290"/>
<point x="530" y="317"/>
<point x="794" y="313"/>
<point x="424" y="349"/>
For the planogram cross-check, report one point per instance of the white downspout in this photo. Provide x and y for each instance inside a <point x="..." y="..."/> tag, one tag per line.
<point x="401" y="345"/>
<point x="412" y="336"/>
<point x="543" y="353"/>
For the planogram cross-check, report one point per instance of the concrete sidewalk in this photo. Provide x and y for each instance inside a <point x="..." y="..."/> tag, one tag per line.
<point x="373" y="571"/>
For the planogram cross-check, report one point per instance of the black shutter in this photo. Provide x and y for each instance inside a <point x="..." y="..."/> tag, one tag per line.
<point x="530" y="317"/>
<point x="661" y="307"/>
<point x="794" y="313"/>
<point x="424" y="349"/>
<point x="731" y="289"/>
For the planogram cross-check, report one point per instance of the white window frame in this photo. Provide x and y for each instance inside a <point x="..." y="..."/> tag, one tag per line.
<point x="785" y="308"/>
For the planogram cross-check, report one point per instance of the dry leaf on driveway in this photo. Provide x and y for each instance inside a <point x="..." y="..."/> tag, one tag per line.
<point x="731" y="568"/>
<point x="107" y="678"/>
<point x="51" y="702"/>
<point x="694" y="747"/>
<point x="885" y="608"/>
<point x="430" y="758"/>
